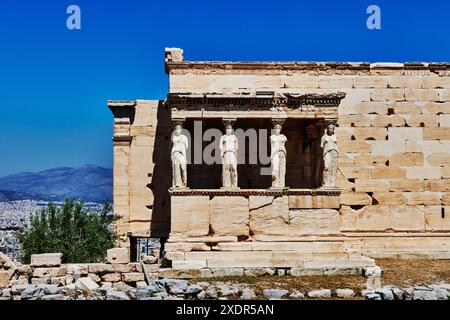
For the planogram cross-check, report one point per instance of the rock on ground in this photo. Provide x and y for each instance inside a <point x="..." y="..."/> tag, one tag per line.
<point x="275" y="293"/>
<point x="248" y="294"/>
<point x="322" y="293"/>
<point x="345" y="293"/>
<point x="116" y="295"/>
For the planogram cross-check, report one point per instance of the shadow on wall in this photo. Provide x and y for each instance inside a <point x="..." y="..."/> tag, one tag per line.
<point x="161" y="176"/>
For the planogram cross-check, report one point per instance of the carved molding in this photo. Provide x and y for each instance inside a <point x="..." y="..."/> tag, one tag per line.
<point x="254" y="192"/>
<point x="309" y="105"/>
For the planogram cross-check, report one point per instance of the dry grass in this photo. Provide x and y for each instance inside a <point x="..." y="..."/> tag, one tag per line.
<point x="403" y="273"/>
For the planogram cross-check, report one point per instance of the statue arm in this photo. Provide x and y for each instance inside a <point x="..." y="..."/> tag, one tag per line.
<point x="186" y="143"/>
<point x="221" y="145"/>
<point x="322" y="141"/>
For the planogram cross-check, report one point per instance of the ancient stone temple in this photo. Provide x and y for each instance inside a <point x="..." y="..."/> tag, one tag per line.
<point x="294" y="167"/>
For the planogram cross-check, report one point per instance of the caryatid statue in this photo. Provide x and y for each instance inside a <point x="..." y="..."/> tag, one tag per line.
<point x="178" y="156"/>
<point x="228" y="150"/>
<point x="278" y="157"/>
<point x="330" y="156"/>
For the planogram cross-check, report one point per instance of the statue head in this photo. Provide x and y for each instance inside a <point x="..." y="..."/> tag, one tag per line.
<point x="229" y="130"/>
<point x="330" y="129"/>
<point x="277" y="129"/>
<point x="178" y="130"/>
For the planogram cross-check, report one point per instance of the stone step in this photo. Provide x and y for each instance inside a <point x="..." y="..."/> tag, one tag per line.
<point x="260" y="246"/>
<point x="245" y="262"/>
<point x="201" y="255"/>
<point x="408" y="254"/>
<point x="398" y="240"/>
<point x="404" y="247"/>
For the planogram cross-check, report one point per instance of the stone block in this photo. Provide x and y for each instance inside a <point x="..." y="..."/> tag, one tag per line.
<point x="301" y="272"/>
<point x="406" y="159"/>
<point x="239" y="263"/>
<point x="422" y="120"/>
<point x="4" y="278"/>
<point x="388" y="95"/>
<point x="228" y="272"/>
<point x="46" y="260"/>
<point x="415" y="172"/>
<point x="313" y="202"/>
<point x="269" y="215"/>
<point x="388" y="172"/>
<point x="383" y="120"/>
<point x="388" y="147"/>
<point x="439" y="159"/>
<point x="111" y="277"/>
<point x="190" y="215"/>
<point x="442" y="185"/>
<point x="445" y="199"/>
<point x="407" y="108"/>
<point x="86" y="284"/>
<point x="407" y="218"/>
<point x="389" y="198"/>
<point x="189" y="264"/>
<point x="133" y="277"/>
<point x="344" y="133"/>
<point x="437" y="107"/>
<point x="444" y="120"/>
<point x="118" y="255"/>
<point x="436" y="133"/>
<point x="427" y="146"/>
<point x="435" y="82"/>
<point x="445" y="172"/>
<point x="342" y="183"/>
<point x="50" y="272"/>
<point x="354" y="120"/>
<point x="76" y="268"/>
<point x="373" y="218"/>
<point x="423" y="198"/>
<point x="229" y="216"/>
<point x="101" y="268"/>
<point x="355" y="198"/>
<point x="370" y="82"/>
<point x="363" y="185"/>
<point x="372" y="133"/>
<point x="336" y="81"/>
<point x="405" y="82"/>
<point x="437" y="218"/>
<point x="405" y="185"/>
<point x="311" y="222"/>
<point x="403" y="134"/>
<point x="421" y="94"/>
<point x="354" y="146"/>
<point x="370" y="159"/>
<point x="371" y="107"/>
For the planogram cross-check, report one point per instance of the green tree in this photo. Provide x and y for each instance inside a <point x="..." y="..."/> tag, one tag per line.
<point x="80" y="234"/>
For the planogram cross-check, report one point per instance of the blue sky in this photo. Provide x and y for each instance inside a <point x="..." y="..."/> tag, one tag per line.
<point x="54" y="82"/>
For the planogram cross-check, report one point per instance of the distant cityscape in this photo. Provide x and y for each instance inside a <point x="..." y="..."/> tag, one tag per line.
<point x="24" y="194"/>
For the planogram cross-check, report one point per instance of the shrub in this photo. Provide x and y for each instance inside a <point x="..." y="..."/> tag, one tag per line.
<point x="80" y="234"/>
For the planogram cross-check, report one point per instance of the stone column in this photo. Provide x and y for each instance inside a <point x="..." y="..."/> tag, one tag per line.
<point x="228" y="149"/>
<point x="278" y="155"/>
<point x="180" y="144"/>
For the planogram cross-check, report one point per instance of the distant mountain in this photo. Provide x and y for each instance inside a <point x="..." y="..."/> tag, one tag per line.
<point x="89" y="183"/>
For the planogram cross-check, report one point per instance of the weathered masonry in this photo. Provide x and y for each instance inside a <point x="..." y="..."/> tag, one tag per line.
<point x="391" y="197"/>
